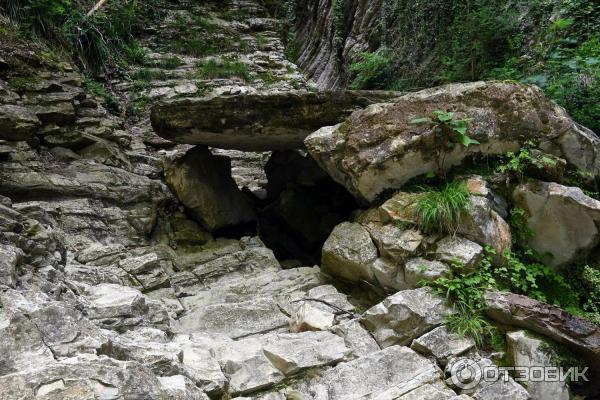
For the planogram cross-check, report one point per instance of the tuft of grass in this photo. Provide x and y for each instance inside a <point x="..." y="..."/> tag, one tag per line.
<point x="171" y="63"/>
<point x="441" y="209"/>
<point x="213" y="69"/>
<point x="466" y="323"/>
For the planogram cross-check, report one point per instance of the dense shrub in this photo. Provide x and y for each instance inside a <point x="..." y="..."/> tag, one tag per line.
<point x="98" y="42"/>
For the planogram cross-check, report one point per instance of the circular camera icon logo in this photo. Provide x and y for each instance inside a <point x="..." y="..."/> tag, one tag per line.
<point x="464" y="373"/>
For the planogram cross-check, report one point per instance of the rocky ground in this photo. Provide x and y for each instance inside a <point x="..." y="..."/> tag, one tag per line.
<point x="116" y="281"/>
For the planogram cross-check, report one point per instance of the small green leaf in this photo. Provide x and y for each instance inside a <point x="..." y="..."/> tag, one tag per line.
<point x="443" y="116"/>
<point x="461" y="129"/>
<point x="467" y="141"/>
<point x="421" y="121"/>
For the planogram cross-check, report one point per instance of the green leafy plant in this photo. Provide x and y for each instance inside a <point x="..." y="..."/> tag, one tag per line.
<point x="443" y="122"/>
<point x="441" y="209"/>
<point x="591" y="282"/>
<point x="464" y="291"/>
<point x="372" y="70"/>
<point x="447" y="132"/>
<point x="529" y="161"/>
<point x="519" y="227"/>
<point x="98" y="41"/>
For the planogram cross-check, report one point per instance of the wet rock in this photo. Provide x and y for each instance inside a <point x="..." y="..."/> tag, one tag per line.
<point x="349" y="253"/>
<point x="524" y="350"/>
<point x="405" y="316"/>
<point x="204" y="185"/>
<point x="563" y="220"/>
<point x="378" y="148"/>
<point x="256" y="122"/>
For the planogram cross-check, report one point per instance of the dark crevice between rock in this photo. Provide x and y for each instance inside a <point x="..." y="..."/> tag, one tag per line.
<point x="302" y="207"/>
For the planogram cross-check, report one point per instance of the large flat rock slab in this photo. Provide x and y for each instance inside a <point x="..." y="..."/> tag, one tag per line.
<point x="259" y="121"/>
<point x="379" y="148"/>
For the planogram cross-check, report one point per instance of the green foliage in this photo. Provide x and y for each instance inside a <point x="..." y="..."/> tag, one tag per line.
<point x="519" y="228"/>
<point x="372" y="70"/>
<point x="552" y="44"/>
<point x="522" y="273"/>
<point x="447" y="132"/>
<point x="213" y="69"/>
<point x="99" y="41"/>
<point x="464" y="290"/>
<point x="340" y="11"/>
<point x="466" y="323"/>
<point x="591" y="282"/>
<point x="444" y="123"/>
<point x="24" y="83"/>
<point x="441" y="209"/>
<point x="110" y="102"/>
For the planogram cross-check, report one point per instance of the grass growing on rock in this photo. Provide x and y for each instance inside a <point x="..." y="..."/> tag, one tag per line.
<point x="213" y="69"/>
<point x="441" y="209"/>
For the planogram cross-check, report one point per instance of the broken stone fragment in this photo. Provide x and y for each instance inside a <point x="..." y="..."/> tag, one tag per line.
<point x="442" y="344"/>
<point x="310" y="318"/>
<point x="404" y="316"/>
<point x="349" y="253"/>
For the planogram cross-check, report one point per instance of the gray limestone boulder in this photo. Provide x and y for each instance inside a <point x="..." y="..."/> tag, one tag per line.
<point x="454" y="249"/>
<point x="203" y="183"/>
<point x="404" y="316"/>
<point x="525" y="350"/>
<point x="17" y="123"/>
<point x="378" y="148"/>
<point x="442" y="344"/>
<point x="564" y="220"/>
<point x="259" y="121"/>
<point x="349" y="253"/>
<point x="386" y="374"/>
<point x="417" y="270"/>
